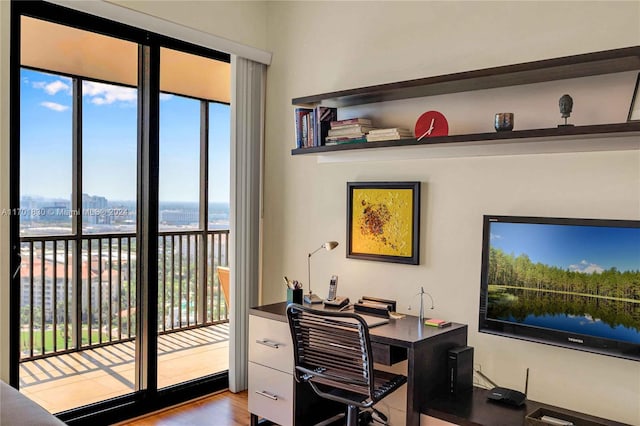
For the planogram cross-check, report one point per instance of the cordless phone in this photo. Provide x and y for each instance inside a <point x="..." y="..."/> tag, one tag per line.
<point x="333" y="299"/>
<point x="333" y="287"/>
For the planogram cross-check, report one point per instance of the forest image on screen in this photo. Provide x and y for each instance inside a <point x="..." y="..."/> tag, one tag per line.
<point x="574" y="278"/>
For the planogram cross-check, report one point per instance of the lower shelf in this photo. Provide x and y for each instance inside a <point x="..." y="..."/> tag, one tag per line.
<point x="606" y="137"/>
<point x="473" y="408"/>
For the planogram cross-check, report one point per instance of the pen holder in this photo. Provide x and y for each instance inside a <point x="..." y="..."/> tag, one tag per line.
<point x="294" y="296"/>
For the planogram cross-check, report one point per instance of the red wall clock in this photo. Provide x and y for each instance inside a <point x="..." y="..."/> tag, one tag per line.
<point x="431" y="123"/>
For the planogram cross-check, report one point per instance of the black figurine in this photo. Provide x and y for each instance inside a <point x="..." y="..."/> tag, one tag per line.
<point x="566" y="105"/>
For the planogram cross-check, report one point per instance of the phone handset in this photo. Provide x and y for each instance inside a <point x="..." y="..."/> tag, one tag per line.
<point x="333" y="287"/>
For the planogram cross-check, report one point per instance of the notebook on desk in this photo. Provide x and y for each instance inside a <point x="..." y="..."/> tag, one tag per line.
<point x="369" y="319"/>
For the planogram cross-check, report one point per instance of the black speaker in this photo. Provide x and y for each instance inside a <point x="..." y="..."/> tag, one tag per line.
<point x="460" y="369"/>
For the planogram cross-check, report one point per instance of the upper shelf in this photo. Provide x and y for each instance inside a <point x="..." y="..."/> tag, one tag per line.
<point x="583" y="65"/>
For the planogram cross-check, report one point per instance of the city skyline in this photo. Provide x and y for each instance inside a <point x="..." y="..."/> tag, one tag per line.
<point x="109" y="142"/>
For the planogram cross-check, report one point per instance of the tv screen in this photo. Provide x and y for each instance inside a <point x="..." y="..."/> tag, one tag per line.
<point x="567" y="282"/>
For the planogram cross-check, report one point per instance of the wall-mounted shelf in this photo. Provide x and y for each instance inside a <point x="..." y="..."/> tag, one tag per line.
<point x="609" y="137"/>
<point x="601" y="137"/>
<point x="584" y="65"/>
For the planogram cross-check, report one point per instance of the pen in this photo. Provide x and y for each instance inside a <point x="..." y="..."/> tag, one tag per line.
<point x="286" y="282"/>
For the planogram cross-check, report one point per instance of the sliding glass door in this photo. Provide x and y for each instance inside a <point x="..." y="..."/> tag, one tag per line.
<point x="78" y="142"/>
<point x="193" y="230"/>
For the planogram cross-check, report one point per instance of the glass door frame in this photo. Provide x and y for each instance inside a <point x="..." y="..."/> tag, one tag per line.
<point x="146" y="396"/>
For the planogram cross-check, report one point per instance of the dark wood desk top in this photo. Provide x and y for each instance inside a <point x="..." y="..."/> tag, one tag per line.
<point x="405" y="332"/>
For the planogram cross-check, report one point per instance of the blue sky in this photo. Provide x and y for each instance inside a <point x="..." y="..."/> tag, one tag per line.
<point x="109" y="142"/>
<point x="580" y="248"/>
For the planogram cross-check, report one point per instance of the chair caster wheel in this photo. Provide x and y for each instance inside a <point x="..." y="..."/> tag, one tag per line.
<point x="365" y="418"/>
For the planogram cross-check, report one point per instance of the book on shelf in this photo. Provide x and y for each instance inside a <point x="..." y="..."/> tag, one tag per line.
<point x="323" y="118"/>
<point x="344" y="140"/>
<point x="312" y="125"/>
<point x="394" y="133"/>
<point x="350" y="126"/>
<point x="345" y="137"/>
<point x="303" y="123"/>
<point x="392" y="130"/>
<point x="350" y="121"/>
<point x="350" y="130"/>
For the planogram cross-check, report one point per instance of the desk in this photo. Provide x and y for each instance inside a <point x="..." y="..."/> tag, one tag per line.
<point x="425" y="349"/>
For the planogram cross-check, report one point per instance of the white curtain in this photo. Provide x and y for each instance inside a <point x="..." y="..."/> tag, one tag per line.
<point x="247" y="118"/>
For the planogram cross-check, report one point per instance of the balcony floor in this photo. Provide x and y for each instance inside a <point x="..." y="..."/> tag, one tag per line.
<point x="68" y="381"/>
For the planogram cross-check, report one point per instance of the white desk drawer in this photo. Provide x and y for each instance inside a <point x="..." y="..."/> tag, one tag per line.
<point x="270" y="343"/>
<point x="271" y="394"/>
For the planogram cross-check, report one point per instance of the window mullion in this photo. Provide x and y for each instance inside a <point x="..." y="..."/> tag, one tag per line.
<point x="147" y="218"/>
<point x="204" y="210"/>
<point x="76" y="220"/>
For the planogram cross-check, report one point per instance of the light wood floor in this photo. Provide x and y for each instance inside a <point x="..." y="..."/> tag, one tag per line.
<point x="225" y="408"/>
<point x="72" y="380"/>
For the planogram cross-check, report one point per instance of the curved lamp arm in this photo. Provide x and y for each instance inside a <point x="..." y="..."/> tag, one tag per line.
<point x="329" y="245"/>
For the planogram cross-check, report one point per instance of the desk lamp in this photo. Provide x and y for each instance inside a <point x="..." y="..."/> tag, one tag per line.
<point x="314" y="298"/>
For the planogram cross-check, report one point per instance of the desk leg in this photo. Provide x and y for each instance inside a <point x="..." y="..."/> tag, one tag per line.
<point x="414" y="367"/>
<point x="427" y="370"/>
<point x="254" y="420"/>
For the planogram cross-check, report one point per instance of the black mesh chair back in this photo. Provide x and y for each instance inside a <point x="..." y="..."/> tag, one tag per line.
<point x="332" y="352"/>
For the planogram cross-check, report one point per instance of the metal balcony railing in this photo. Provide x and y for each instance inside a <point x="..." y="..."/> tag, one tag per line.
<point x="79" y="292"/>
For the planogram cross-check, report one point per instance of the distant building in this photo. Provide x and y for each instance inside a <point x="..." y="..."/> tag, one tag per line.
<point x="180" y="217"/>
<point x="54" y="271"/>
<point x="95" y="210"/>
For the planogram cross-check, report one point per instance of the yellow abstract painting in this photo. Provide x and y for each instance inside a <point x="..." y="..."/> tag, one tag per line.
<point x="382" y="222"/>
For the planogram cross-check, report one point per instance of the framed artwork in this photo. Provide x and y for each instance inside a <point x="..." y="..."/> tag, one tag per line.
<point x="383" y="221"/>
<point x="634" y="110"/>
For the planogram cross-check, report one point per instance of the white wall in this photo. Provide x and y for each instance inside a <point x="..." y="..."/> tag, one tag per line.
<point x="326" y="46"/>
<point x="240" y="21"/>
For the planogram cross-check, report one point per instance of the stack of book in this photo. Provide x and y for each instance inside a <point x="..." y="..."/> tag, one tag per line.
<point x="389" y="134"/>
<point x="352" y="130"/>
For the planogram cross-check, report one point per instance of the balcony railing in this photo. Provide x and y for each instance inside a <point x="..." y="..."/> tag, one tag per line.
<point x="80" y="292"/>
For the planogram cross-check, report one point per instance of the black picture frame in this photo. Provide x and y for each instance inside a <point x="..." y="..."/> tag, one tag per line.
<point x="383" y="221"/>
<point x="634" y="109"/>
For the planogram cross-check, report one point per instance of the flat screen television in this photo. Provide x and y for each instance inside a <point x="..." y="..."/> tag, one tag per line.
<point x="573" y="283"/>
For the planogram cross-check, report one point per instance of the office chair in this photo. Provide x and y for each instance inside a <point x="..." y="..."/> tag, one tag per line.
<point x="332" y="352"/>
<point x="223" y="278"/>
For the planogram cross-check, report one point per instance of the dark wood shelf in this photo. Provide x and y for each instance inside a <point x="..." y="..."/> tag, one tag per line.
<point x="575" y="66"/>
<point x="630" y="129"/>
<point x="570" y="139"/>
<point x="473" y="408"/>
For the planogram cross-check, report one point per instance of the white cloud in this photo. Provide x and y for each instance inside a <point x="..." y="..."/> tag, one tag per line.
<point x="54" y="106"/>
<point x="586" y="267"/>
<point x="495" y="237"/>
<point x="104" y="94"/>
<point x="53" y="87"/>
<point x="165" y="96"/>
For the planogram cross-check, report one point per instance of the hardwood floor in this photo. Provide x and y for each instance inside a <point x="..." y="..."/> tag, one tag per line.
<point x="221" y="409"/>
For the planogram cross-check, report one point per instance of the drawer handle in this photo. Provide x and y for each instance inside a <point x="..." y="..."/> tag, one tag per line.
<point x="269" y="343"/>
<point x="268" y="395"/>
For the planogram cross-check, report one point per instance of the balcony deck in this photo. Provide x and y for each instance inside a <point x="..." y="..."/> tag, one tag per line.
<point x="68" y="381"/>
